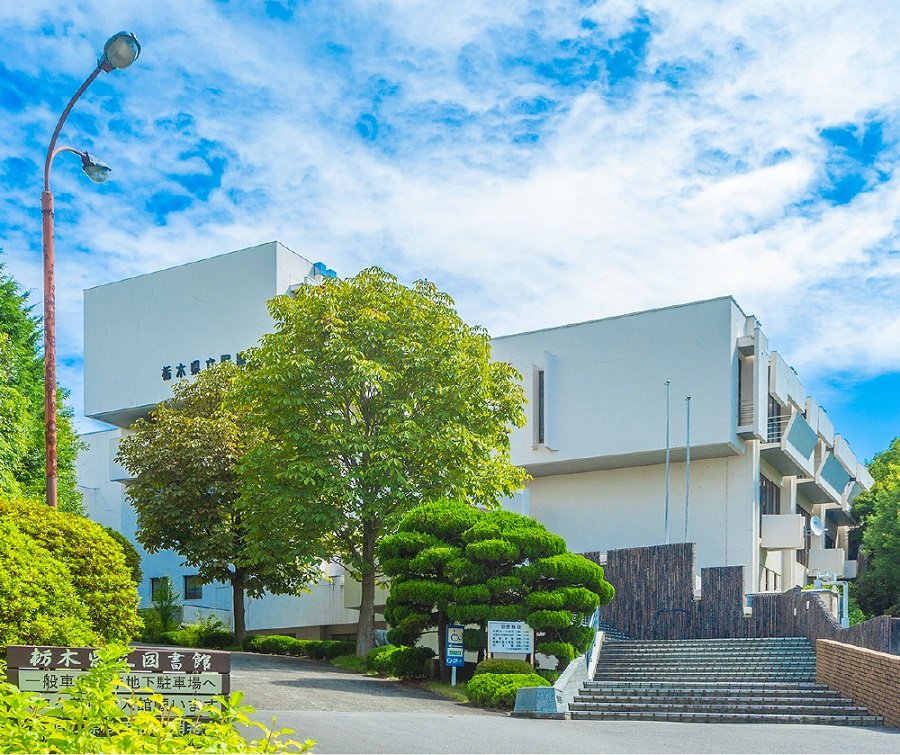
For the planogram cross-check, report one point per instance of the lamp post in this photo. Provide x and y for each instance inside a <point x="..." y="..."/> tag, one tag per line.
<point x="120" y="51"/>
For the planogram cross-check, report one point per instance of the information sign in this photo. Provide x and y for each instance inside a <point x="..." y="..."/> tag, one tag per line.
<point x="510" y="637"/>
<point x="185" y="678"/>
<point x="455" y="648"/>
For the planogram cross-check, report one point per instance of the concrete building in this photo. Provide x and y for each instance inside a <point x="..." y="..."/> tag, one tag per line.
<point x="765" y="458"/>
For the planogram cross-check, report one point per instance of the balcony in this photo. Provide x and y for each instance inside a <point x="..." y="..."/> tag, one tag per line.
<point x="791" y="444"/>
<point x="828" y="561"/>
<point x="782" y="531"/>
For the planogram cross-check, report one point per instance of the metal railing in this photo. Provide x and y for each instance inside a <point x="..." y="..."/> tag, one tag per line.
<point x="776" y="427"/>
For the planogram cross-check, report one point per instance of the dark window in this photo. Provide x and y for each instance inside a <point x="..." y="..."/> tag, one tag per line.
<point x="769" y="498"/>
<point x="829" y="541"/>
<point x="193" y="587"/>
<point x="158" y="587"/>
<point x="540" y="407"/>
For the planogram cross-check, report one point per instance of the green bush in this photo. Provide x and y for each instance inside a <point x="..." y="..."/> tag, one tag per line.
<point x="95" y="561"/>
<point x="379" y="659"/>
<point x="503" y="666"/>
<point x="91" y="721"/>
<point x="412" y="662"/>
<point x="276" y="644"/>
<point x="474" y="639"/>
<point x="132" y="557"/>
<point x="563" y="651"/>
<point x="550" y="676"/>
<point x="326" y="649"/>
<point x="499" y="690"/>
<point x="547" y="619"/>
<point x="38" y="604"/>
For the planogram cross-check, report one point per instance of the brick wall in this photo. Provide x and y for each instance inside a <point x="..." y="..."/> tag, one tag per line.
<point x="868" y="677"/>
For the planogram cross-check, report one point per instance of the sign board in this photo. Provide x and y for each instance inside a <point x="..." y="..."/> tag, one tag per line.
<point x="185" y="678"/>
<point x="510" y="637"/>
<point x="455" y="648"/>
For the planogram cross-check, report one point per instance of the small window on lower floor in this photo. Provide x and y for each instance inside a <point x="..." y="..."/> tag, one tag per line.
<point x="159" y="586"/>
<point x="193" y="587"/>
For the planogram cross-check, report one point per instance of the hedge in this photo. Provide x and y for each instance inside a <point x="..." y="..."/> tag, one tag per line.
<point x="503" y="666"/>
<point x="280" y="644"/>
<point x="499" y="690"/>
<point x="402" y="662"/>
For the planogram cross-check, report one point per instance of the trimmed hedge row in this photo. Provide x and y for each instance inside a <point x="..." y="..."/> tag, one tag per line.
<point x="399" y="661"/>
<point x="499" y="690"/>
<point x="279" y="644"/>
<point x="191" y="638"/>
<point x="503" y="666"/>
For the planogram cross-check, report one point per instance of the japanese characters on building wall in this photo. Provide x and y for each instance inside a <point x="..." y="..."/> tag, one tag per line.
<point x="181" y="370"/>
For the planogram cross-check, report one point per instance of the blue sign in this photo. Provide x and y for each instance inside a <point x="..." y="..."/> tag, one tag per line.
<point x="455" y="649"/>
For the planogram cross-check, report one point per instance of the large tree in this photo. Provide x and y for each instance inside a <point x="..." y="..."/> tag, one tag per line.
<point x="187" y="494"/>
<point x="878" y="510"/>
<point x="451" y="562"/>
<point x="369" y="398"/>
<point x="22" y="407"/>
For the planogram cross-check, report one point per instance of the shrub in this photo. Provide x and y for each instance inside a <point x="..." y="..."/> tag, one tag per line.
<point x="499" y="690"/>
<point x="251" y="642"/>
<point x="379" y="659"/>
<point x="550" y="676"/>
<point x="91" y="721"/>
<point x="326" y="649"/>
<point x="132" y="557"/>
<point x="276" y="644"/>
<point x="38" y="604"/>
<point x="96" y="564"/>
<point x="563" y="651"/>
<point x="503" y="666"/>
<point x="412" y="662"/>
<point x="474" y="639"/>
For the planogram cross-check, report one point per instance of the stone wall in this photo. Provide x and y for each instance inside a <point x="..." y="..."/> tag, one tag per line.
<point x="866" y="676"/>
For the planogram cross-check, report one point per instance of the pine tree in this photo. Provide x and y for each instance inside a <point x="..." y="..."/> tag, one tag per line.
<point x="22" y="406"/>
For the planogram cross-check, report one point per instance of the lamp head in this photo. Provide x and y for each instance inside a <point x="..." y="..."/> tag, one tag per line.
<point x="97" y="170"/>
<point x="120" y="51"/>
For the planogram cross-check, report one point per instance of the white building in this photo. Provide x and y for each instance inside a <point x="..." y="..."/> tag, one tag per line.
<point x="764" y="456"/>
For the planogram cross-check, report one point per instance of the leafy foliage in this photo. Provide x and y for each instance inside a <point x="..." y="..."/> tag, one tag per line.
<point x="94" y="560"/>
<point x="369" y="398"/>
<point x="499" y="690"/>
<point x="499" y="566"/>
<point x="22" y="407"/>
<point x="279" y="644"/>
<point x="503" y="666"/>
<point x="38" y="605"/>
<point x="186" y="491"/>
<point x="91" y="721"/>
<point x="878" y="509"/>
<point x="132" y="557"/>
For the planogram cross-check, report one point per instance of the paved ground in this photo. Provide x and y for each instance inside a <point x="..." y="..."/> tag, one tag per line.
<point x="351" y="713"/>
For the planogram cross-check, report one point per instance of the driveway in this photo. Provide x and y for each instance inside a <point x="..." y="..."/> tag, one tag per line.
<point x="346" y="712"/>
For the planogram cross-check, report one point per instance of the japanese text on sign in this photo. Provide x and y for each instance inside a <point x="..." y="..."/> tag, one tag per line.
<point x="510" y="637"/>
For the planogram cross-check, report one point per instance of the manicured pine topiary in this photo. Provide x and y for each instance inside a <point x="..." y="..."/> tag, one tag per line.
<point x="450" y="562"/>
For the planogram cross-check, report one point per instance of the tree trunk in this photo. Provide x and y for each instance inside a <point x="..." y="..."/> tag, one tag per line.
<point x="237" y="604"/>
<point x="442" y="648"/>
<point x="365" y="628"/>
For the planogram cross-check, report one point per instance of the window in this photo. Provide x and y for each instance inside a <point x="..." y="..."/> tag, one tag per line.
<point x="541" y="406"/>
<point x="803" y="555"/>
<point x="193" y="587"/>
<point x="770" y="580"/>
<point x="769" y="498"/>
<point x="158" y="587"/>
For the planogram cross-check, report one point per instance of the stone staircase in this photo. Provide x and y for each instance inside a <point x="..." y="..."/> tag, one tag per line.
<point x="768" y="680"/>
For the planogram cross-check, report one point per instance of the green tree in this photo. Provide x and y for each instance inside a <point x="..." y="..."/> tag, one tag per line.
<point x="451" y="562"/>
<point x="186" y="491"/>
<point x="878" y="510"/>
<point x="22" y="407"/>
<point x="369" y="398"/>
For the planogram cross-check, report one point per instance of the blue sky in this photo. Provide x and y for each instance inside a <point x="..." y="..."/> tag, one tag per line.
<point x="544" y="162"/>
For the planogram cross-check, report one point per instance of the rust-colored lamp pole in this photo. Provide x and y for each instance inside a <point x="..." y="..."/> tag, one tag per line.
<point x="120" y="51"/>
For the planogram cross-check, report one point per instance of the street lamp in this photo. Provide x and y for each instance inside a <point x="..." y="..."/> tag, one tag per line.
<point x="120" y="51"/>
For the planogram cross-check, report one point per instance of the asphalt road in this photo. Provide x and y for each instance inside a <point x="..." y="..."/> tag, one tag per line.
<point x="350" y="713"/>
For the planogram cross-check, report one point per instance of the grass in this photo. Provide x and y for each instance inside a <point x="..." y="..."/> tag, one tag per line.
<point x="350" y="662"/>
<point x="457" y="693"/>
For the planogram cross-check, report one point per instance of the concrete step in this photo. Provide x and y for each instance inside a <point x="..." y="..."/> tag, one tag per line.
<point x="694" y="696"/>
<point x="763" y="718"/>
<point x="712" y="686"/>
<point x="790" y="708"/>
<point x="768" y="642"/>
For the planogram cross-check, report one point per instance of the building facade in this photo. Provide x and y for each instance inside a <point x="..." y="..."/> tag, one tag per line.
<point x="764" y="458"/>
